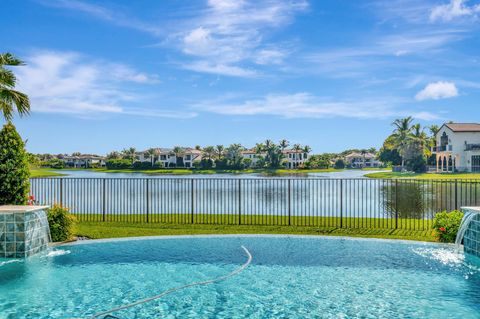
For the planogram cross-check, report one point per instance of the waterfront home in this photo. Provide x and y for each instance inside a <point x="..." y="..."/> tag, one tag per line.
<point x="295" y="158"/>
<point x="253" y="156"/>
<point x="362" y="160"/>
<point x="458" y="147"/>
<point x="83" y="161"/>
<point x="165" y="157"/>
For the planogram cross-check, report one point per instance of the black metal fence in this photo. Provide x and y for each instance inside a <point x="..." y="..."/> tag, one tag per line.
<point x="347" y="203"/>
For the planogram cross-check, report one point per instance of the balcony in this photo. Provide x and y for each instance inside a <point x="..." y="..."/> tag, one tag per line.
<point x="442" y="148"/>
<point x="472" y="147"/>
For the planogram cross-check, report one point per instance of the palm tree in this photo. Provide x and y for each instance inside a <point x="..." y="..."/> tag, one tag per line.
<point x="259" y="148"/>
<point x="130" y="153"/>
<point x="10" y="98"/>
<point x="178" y="151"/>
<point x="421" y="139"/>
<point x="114" y="155"/>
<point x="209" y="152"/>
<point x="220" y="151"/>
<point x="283" y="144"/>
<point x="402" y="134"/>
<point x="151" y="152"/>
<point x="198" y="147"/>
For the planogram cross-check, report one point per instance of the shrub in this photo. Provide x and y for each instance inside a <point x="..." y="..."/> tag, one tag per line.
<point x="142" y="165"/>
<point x="446" y="225"/>
<point x="61" y="222"/>
<point x="118" y="164"/>
<point x="339" y="164"/>
<point x="14" y="171"/>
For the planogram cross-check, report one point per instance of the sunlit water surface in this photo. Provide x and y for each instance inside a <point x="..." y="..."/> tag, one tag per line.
<point x="290" y="277"/>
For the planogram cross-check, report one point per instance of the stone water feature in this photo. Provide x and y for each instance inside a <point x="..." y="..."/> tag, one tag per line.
<point x="469" y="231"/>
<point x="24" y="231"/>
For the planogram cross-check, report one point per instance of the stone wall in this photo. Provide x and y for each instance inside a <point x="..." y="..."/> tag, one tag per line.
<point x="471" y="240"/>
<point x="23" y="233"/>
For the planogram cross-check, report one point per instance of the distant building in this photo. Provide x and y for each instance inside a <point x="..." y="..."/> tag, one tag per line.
<point x="294" y="159"/>
<point x="359" y="160"/>
<point x="83" y="161"/>
<point x="458" y="147"/>
<point x="165" y="157"/>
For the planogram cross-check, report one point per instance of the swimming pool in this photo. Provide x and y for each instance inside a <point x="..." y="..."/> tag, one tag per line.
<point x="289" y="277"/>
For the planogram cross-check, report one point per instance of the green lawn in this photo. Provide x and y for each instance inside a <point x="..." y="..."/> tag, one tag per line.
<point x="97" y="230"/>
<point x="44" y="172"/>
<point x="427" y="176"/>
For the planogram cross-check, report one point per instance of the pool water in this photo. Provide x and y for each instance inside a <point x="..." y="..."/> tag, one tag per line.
<point x="289" y="277"/>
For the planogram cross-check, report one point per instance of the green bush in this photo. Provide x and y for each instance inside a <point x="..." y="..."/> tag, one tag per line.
<point x="118" y="164"/>
<point x="14" y="171"/>
<point x="61" y="222"/>
<point x="339" y="164"/>
<point x="446" y="225"/>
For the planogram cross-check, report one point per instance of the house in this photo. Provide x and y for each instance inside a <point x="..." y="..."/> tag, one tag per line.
<point x="165" y="157"/>
<point x="83" y="161"/>
<point x="458" y="147"/>
<point x="362" y="160"/>
<point x="253" y="156"/>
<point x="295" y="159"/>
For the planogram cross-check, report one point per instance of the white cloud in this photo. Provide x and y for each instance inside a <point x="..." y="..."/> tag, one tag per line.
<point x="69" y="83"/>
<point x="305" y="105"/>
<point x="437" y="90"/>
<point x="105" y="14"/>
<point x="454" y="9"/>
<point x="231" y="33"/>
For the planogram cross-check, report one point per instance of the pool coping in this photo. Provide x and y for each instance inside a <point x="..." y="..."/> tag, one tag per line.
<point x="168" y="237"/>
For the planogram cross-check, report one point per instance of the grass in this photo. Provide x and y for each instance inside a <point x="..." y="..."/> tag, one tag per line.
<point x="98" y="230"/>
<point x="425" y="176"/>
<point x="44" y="172"/>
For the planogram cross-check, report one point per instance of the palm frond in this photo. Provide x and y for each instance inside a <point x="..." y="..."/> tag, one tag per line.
<point x="8" y="98"/>
<point x="7" y="78"/>
<point x="10" y="59"/>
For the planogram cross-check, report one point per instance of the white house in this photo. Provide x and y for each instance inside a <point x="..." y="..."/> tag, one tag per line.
<point x="167" y="158"/>
<point x="458" y="147"/>
<point x="83" y="161"/>
<point x="294" y="158"/>
<point x="359" y="160"/>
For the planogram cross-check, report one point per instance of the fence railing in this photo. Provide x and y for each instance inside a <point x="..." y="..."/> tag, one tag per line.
<point x="345" y="203"/>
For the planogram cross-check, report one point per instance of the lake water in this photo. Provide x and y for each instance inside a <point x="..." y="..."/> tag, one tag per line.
<point x="93" y="174"/>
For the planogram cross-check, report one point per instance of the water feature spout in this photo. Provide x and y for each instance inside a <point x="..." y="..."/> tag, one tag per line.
<point x="469" y="215"/>
<point x="25" y="232"/>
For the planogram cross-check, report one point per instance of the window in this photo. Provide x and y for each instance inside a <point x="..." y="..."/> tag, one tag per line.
<point x="188" y="157"/>
<point x="163" y="157"/>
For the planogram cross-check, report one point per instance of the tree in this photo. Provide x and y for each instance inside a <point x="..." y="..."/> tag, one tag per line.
<point x="14" y="171"/>
<point x="388" y="154"/>
<point x="317" y="161"/>
<point x="234" y="156"/>
<point x="401" y="135"/>
<point x="339" y="164"/>
<point x="152" y="152"/>
<point x="209" y="152"/>
<point x="114" y="155"/>
<point x="220" y="151"/>
<point x="283" y="144"/>
<point x="10" y="99"/>
<point x="178" y="152"/>
<point x="130" y="154"/>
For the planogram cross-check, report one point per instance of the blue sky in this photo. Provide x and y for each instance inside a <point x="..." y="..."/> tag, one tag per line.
<point x="333" y="74"/>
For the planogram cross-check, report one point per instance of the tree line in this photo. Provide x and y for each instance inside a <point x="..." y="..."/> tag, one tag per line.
<point x="409" y="145"/>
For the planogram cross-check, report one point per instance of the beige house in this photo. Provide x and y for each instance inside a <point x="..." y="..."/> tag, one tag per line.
<point x="359" y="160"/>
<point x="458" y="147"/>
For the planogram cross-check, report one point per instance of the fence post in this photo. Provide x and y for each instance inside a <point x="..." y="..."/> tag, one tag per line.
<point x="289" y="202"/>
<point x="396" y="203"/>
<point x="239" y="201"/>
<point x="456" y="194"/>
<point x="147" y="194"/>
<point x="61" y="191"/>
<point x="341" y="203"/>
<point x="192" y="198"/>
<point x="104" y="196"/>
